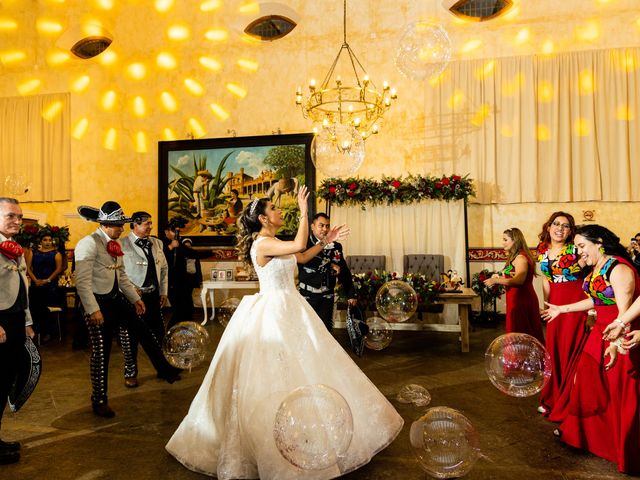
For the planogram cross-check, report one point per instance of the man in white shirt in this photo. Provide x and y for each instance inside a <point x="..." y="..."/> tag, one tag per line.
<point x="15" y="318"/>
<point x="147" y="268"/>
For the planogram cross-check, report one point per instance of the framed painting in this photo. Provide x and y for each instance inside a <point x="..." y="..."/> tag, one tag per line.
<point x="204" y="184"/>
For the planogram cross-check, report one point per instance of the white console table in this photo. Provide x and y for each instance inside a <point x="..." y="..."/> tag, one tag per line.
<point x="210" y="286"/>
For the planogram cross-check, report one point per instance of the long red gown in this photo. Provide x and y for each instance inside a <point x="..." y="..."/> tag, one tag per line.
<point x="565" y="335"/>
<point x="523" y="310"/>
<point x="604" y="409"/>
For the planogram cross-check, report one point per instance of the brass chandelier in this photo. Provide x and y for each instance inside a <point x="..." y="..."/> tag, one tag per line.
<point x="359" y="105"/>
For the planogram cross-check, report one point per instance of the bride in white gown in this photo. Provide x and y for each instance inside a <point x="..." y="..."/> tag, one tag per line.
<point x="273" y="344"/>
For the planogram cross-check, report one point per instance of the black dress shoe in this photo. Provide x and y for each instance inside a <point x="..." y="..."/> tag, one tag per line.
<point x="9" y="457"/>
<point x="103" y="410"/>
<point x="170" y="377"/>
<point x="131" y="382"/>
<point x="9" y="446"/>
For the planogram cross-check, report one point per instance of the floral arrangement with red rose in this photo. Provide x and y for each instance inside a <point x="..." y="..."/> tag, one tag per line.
<point x="390" y="190"/>
<point x="487" y="293"/>
<point x="29" y="235"/>
<point x="366" y="287"/>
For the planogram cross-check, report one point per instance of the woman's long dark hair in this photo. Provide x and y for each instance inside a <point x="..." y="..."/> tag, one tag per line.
<point x="544" y="234"/>
<point x="248" y="227"/>
<point x="609" y="240"/>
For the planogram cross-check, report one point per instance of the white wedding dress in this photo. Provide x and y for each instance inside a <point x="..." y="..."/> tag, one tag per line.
<point x="273" y="344"/>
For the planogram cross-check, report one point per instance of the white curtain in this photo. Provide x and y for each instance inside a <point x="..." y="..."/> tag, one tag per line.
<point x="556" y="128"/>
<point x="429" y="227"/>
<point x="35" y="146"/>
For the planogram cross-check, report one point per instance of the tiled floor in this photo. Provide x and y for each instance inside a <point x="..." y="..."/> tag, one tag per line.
<point x="62" y="439"/>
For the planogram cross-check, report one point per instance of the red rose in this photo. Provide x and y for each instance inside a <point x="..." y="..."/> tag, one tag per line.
<point x="599" y="284"/>
<point x="542" y="247"/>
<point x="438" y="185"/>
<point x="566" y="261"/>
<point x="55" y="229"/>
<point x="395" y="184"/>
<point x="332" y="189"/>
<point x="445" y="181"/>
<point x="456" y="178"/>
<point x="31" y="229"/>
<point x="350" y="193"/>
<point x="353" y="186"/>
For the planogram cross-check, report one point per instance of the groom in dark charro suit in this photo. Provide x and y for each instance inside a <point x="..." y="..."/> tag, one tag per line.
<point x="318" y="277"/>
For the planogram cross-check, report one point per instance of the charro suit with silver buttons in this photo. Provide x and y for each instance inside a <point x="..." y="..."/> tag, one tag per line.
<point x="102" y="285"/>
<point x="152" y="284"/>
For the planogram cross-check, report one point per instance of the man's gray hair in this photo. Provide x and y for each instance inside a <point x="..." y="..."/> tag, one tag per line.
<point x="9" y="200"/>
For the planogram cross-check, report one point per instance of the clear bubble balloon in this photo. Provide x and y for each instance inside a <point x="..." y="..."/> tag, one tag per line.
<point x="424" y="50"/>
<point x="445" y="443"/>
<point x="396" y="301"/>
<point x="226" y="310"/>
<point x="380" y="333"/>
<point x="337" y="150"/>
<point x="416" y="394"/>
<point x="185" y="345"/>
<point x="313" y="427"/>
<point x="517" y="364"/>
<point x="16" y="185"/>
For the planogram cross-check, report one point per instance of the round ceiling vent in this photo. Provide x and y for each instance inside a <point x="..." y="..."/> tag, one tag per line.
<point x="89" y="47"/>
<point x="477" y="10"/>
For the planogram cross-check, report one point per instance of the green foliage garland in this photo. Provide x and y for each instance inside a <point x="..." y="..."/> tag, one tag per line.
<point x="392" y="190"/>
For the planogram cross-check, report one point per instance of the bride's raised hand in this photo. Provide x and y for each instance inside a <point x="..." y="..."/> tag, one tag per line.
<point x="303" y="196"/>
<point x="338" y="233"/>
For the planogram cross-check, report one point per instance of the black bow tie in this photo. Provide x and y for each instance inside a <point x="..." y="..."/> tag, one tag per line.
<point x="143" y="243"/>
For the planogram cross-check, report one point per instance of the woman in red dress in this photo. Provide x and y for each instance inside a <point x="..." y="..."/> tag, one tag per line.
<point x="604" y="408"/>
<point x="562" y="284"/>
<point x="523" y="312"/>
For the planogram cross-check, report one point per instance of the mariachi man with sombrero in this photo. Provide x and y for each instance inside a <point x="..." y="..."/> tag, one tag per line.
<point x="15" y="318"/>
<point x="110" y="301"/>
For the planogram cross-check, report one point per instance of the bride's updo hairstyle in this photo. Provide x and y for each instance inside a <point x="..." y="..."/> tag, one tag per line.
<point x="248" y="227"/>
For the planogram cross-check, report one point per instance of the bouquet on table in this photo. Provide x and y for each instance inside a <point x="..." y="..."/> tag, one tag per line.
<point x="488" y="294"/>
<point x="366" y="287"/>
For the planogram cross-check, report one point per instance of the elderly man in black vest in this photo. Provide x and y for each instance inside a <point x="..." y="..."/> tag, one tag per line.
<point x="15" y="318"/>
<point x="318" y="277"/>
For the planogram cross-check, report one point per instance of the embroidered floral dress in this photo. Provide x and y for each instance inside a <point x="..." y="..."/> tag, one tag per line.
<point x="604" y="407"/>
<point x="566" y="334"/>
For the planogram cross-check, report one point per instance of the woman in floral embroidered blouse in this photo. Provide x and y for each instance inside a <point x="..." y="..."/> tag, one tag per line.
<point x="562" y="284"/>
<point x="604" y="405"/>
<point x="523" y="310"/>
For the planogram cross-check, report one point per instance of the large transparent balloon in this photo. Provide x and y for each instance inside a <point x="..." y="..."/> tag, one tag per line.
<point x="226" y="310"/>
<point x="517" y="364"/>
<point x="396" y="301"/>
<point x="445" y="443"/>
<point x="16" y="185"/>
<point x="380" y="333"/>
<point x="337" y="150"/>
<point x="415" y="394"/>
<point x="424" y="50"/>
<point x="185" y="345"/>
<point x="313" y="427"/>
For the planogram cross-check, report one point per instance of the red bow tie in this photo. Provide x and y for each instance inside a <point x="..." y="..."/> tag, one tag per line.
<point x="113" y="248"/>
<point x="10" y="249"/>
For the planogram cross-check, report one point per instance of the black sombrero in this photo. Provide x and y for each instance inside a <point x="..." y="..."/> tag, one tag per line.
<point x="110" y="214"/>
<point x="29" y="370"/>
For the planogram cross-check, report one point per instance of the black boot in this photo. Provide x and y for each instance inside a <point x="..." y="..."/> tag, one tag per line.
<point x="9" y="447"/>
<point x="9" y="457"/>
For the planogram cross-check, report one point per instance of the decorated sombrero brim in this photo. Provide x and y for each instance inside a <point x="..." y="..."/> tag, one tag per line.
<point x="110" y="214"/>
<point x="29" y="370"/>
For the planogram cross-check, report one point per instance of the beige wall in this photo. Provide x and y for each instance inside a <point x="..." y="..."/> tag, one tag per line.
<point x="374" y="28"/>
